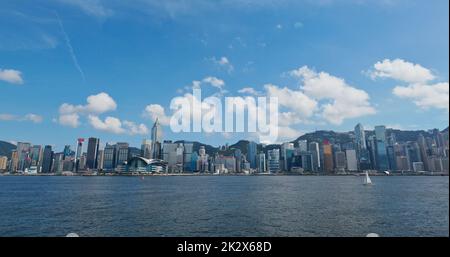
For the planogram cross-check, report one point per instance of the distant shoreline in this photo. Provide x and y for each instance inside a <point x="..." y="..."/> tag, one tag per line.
<point x="218" y="175"/>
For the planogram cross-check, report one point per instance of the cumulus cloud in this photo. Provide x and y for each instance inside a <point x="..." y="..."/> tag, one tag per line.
<point x="116" y="126"/>
<point x="69" y="115"/>
<point x="11" y="76"/>
<point x="342" y="100"/>
<point x="249" y="91"/>
<point x="222" y="63"/>
<point x="418" y="88"/>
<point x="426" y="96"/>
<point x="27" y="117"/>
<point x="110" y="124"/>
<point x="399" y="69"/>
<point x="70" y="120"/>
<point x="156" y="111"/>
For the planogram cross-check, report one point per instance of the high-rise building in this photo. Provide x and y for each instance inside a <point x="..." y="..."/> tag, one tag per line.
<point x="92" y="152"/>
<point x="58" y="162"/>
<point x="252" y="149"/>
<point x="381" y="150"/>
<point x="360" y="136"/>
<point x="100" y="159"/>
<point x="287" y="152"/>
<point x="273" y="160"/>
<point x="327" y="157"/>
<point x="3" y="163"/>
<point x="238" y="157"/>
<point x="121" y="154"/>
<point x="156" y="140"/>
<point x="78" y="153"/>
<point x="23" y="149"/>
<point x="340" y="161"/>
<point x="47" y="161"/>
<point x="109" y="157"/>
<point x="188" y="158"/>
<point x="14" y="161"/>
<point x="303" y="145"/>
<point x="146" y="149"/>
<point x="314" y="149"/>
<point x="261" y="163"/>
<point x="352" y="162"/>
<point x="170" y="154"/>
<point x="36" y="155"/>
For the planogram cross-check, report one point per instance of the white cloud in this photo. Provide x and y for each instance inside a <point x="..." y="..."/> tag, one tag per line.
<point x="294" y="100"/>
<point x="11" y="76"/>
<point x="116" y="126"/>
<point x="71" y="120"/>
<point x="426" y="96"/>
<point x="298" y="25"/>
<point x="249" y="91"/>
<point x="223" y="63"/>
<point x="345" y="101"/>
<point x="399" y="69"/>
<point x="418" y="89"/>
<point x="27" y="117"/>
<point x="279" y="26"/>
<point x="135" y="129"/>
<point x="110" y="124"/>
<point x="215" y="82"/>
<point x="156" y="111"/>
<point x="99" y="103"/>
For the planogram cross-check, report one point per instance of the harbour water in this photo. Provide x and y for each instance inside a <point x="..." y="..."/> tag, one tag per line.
<point x="224" y="206"/>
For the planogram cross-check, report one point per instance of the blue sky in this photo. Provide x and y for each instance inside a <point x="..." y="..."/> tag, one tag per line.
<point x="145" y="52"/>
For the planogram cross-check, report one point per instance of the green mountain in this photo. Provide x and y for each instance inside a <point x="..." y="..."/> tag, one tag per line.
<point x="6" y="148"/>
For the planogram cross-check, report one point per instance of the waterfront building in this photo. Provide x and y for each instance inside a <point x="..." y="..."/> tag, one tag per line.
<point x="238" y="157"/>
<point x="109" y="155"/>
<point x="188" y="156"/>
<point x="146" y="148"/>
<point x="273" y="160"/>
<point x="47" y="159"/>
<point x="14" y="161"/>
<point x="3" y="163"/>
<point x="261" y="167"/>
<point x="340" y="161"/>
<point x="78" y="153"/>
<point x="327" y="157"/>
<point x="402" y="163"/>
<point x="287" y="150"/>
<point x="314" y="150"/>
<point x="58" y="162"/>
<point x="252" y="149"/>
<point x="418" y="166"/>
<point x="352" y="162"/>
<point x="92" y="153"/>
<point x="36" y="156"/>
<point x="143" y="165"/>
<point x="100" y="159"/>
<point x="156" y="140"/>
<point x="23" y="149"/>
<point x="121" y="155"/>
<point x="381" y="152"/>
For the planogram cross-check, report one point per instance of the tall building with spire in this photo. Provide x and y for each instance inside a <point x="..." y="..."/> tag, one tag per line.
<point x="156" y="140"/>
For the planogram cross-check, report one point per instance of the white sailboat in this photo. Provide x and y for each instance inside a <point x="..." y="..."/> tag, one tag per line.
<point x="367" y="180"/>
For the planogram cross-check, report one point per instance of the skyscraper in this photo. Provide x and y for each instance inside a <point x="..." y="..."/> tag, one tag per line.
<point x="360" y="136"/>
<point x="109" y="155"/>
<point x="273" y="160"/>
<point x="381" y="150"/>
<point x="92" y="152"/>
<point x="23" y="149"/>
<point x="261" y="163"/>
<point x="156" y="140"/>
<point x="78" y="153"/>
<point x="121" y="154"/>
<point x="47" y="159"/>
<point x="251" y="154"/>
<point x="327" y="157"/>
<point x="146" y="149"/>
<point x="352" y="163"/>
<point x="314" y="149"/>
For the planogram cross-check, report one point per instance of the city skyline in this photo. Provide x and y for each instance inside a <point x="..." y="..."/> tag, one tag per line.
<point x="67" y="74"/>
<point x="327" y="154"/>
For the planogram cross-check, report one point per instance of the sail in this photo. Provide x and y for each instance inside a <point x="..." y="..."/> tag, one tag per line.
<point x="367" y="179"/>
